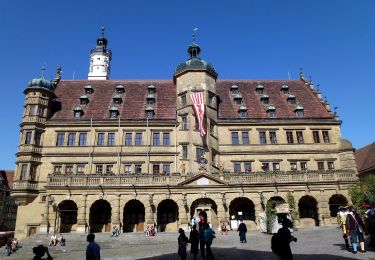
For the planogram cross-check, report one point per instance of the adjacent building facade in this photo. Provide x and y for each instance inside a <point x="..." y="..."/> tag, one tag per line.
<point x="365" y="159"/>
<point x="96" y="153"/>
<point x="8" y="207"/>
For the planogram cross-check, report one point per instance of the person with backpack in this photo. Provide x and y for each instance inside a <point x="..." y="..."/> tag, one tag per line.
<point x="242" y="229"/>
<point x="209" y="236"/>
<point x="355" y="228"/>
<point x="280" y="242"/>
<point x="341" y="220"/>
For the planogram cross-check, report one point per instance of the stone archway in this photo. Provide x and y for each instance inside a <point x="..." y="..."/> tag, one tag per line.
<point x="207" y="205"/>
<point x="167" y="216"/>
<point x="274" y="201"/>
<point x="308" y="208"/>
<point x="134" y="216"/>
<point x="335" y="202"/>
<point x="242" y="209"/>
<point x="67" y="212"/>
<point x="100" y="216"/>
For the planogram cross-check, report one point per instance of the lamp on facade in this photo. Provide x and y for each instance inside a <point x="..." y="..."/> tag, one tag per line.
<point x="101" y="196"/>
<point x="184" y="199"/>
<point x="70" y="193"/>
<point x="151" y="200"/>
<point x="261" y="197"/>
<point x="223" y="198"/>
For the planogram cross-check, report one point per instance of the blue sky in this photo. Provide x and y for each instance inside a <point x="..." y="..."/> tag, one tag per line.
<point x="334" y="42"/>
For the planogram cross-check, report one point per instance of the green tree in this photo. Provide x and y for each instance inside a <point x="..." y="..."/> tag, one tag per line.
<point x="363" y="192"/>
<point x="292" y="206"/>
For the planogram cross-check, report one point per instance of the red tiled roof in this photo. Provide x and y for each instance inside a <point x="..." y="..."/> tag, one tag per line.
<point x="365" y="158"/>
<point x="8" y="176"/>
<point x="134" y="99"/>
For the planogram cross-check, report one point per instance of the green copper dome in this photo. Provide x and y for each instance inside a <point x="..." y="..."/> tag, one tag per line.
<point x="41" y="83"/>
<point x="195" y="63"/>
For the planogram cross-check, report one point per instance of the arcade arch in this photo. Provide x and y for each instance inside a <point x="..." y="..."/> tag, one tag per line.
<point x="134" y="216"/>
<point x="100" y="216"/>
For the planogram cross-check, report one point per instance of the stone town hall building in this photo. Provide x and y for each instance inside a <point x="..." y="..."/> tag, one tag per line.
<point x="96" y="153"/>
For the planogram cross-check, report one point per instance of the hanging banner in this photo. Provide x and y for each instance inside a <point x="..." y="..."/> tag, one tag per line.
<point x="198" y="104"/>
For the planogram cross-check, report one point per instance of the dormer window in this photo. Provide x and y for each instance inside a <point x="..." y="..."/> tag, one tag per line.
<point x="117" y="99"/>
<point x="78" y="112"/>
<point x="238" y="99"/>
<point x="150" y="99"/>
<point x="265" y="99"/>
<point x="259" y="89"/>
<point x="120" y="89"/>
<point x="291" y="99"/>
<point x="299" y="111"/>
<point x="234" y="89"/>
<point x="242" y="111"/>
<point x="113" y="112"/>
<point x="151" y="89"/>
<point x="285" y="89"/>
<point x="271" y="111"/>
<point x="88" y="89"/>
<point x="84" y="100"/>
<point x="149" y="111"/>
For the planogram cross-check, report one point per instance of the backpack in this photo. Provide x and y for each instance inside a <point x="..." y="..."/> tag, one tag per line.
<point x="276" y="244"/>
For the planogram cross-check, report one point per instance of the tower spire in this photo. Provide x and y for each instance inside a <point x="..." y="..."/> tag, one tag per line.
<point x="100" y="58"/>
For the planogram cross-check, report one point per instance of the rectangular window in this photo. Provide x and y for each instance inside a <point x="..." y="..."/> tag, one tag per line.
<point x="330" y="165"/>
<point x="23" y="172"/>
<point x="128" y="138"/>
<point x="156" y="169"/>
<point x="262" y="138"/>
<point x="325" y="137"/>
<point x="199" y="153"/>
<point x="265" y="166"/>
<point x="111" y="139"/>
<point x="138" y="168"/>
<point x="293" y="166"/>
<point x="138" y="138"/>
<point x="237" y="167"/>
<point x="247" y="166"/>
<point x="166" y="139"/>
<point x="33" y="110"/>
<point x="60" y="139"/>
<point x="28" y="138"/>
<point x="69" y="169"/>
<point x="100" y="139"/>
<point x="276" y="167"/>
<point x="184" y="152"/>
<point x="82" y="139"/>
<point x="71" y="139"/>
<point x="321" y="166"/>
<point x="99" y="168"/>
<point x="183" y="101"/>
<point x="37" y="138"/>
<point x="316" y="137"/>
<point x="245" y="137"/>
<point x="80" y="168"/>
<point x="57" y="169"/>
<point x="127" y="168"/>
<point x="300" y="137"/>
<point x="289" y="137"/>
<point x="235" y="138"/>
<point x="156" y="139"/>
<point x="303" y="166"/>
<point x="109" y="168"/>
<point x="273" y="139"/>
<point x="166" y="168"/>
<point x="184" y="123"/>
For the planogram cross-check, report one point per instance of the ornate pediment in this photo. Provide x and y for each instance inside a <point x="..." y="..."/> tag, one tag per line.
<point x="202" y="179"/>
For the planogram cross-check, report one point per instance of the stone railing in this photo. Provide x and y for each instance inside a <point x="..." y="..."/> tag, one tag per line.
<point x="25" y="185"/>
<point x="111" y="180"/>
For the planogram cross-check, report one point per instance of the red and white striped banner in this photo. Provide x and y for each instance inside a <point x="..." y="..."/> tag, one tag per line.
<point x="198" y="104"/>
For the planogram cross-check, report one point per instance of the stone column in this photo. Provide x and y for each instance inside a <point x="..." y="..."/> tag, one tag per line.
<point x="44" y="225"/>
<point x="222" y="210"/>
<point x="323" y="209"/>
<point x="116" y="211"/>
<point x="81" y="215"/>
<point x="150" y="208"/>
<point x="183" y="217"/>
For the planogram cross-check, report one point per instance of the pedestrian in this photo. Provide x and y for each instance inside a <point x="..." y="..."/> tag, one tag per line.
<point x="182" y="244"/>
<point x="202" y="228"/>
<point x="341" y="220"/>
<point x="40" y="251"/>
<point x="355" y="228"/>
<point x="284" y="238"/>
<point x="192" y="222"/>
<point x="371" y="226"/>
<point x="242" y="229"/>
<point x="209" y="236"/>
<point x="93" y="249"/>
<point x="194" y="241"/>
<point x="53" y="240"/>
<point x="9" y="246"/>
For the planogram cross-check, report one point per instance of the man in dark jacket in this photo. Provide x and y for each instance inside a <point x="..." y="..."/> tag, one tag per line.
<point x="242" y="229"/>
<point x="285" y="237"/>
<point x="93" y="249"/>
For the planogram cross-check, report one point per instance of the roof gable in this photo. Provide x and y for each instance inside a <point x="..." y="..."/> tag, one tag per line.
<point x="202" y="179"/>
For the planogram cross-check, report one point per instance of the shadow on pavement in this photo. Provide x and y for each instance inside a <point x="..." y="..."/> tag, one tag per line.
<point x="242" y="254"/>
